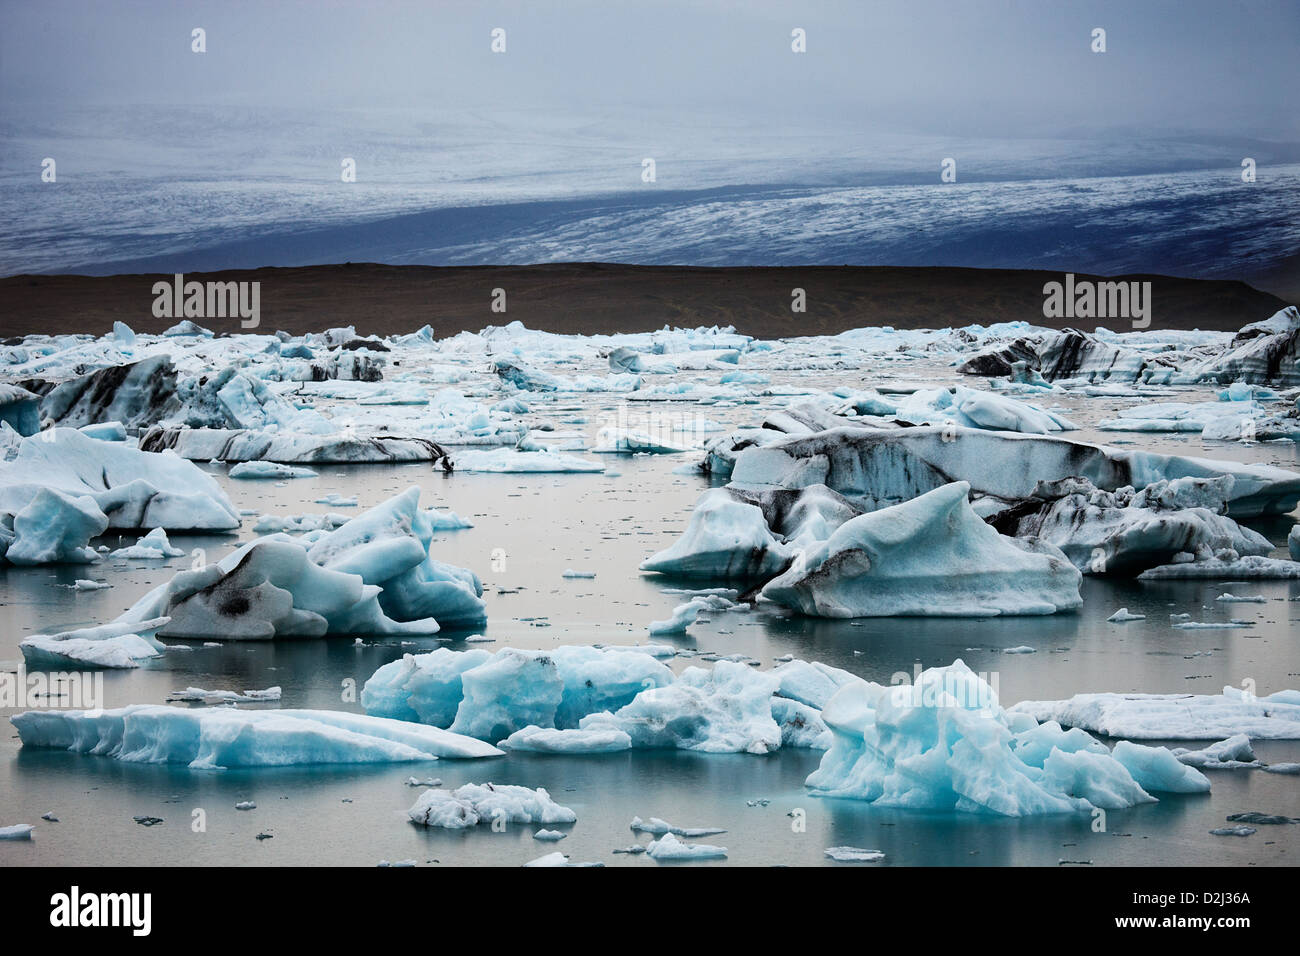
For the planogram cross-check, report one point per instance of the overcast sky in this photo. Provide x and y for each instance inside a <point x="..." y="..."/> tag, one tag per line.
<point x="960" y="67"/>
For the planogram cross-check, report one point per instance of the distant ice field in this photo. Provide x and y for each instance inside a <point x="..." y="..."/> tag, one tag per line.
<point x="166" y="190"/>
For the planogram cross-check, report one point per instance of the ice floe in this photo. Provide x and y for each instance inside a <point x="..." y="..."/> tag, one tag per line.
<point x="218" y="738"/>
<point x="929" y="556"/>
<point x="1175" y="716"/>
<point x="474" y="803"/>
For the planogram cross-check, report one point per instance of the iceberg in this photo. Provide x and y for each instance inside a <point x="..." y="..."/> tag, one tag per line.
<point x="1157" y="769"/>
<point x="55" y="528"/>
<point x="106" y="646"/>
<point x="1265" y="352"/>
<point x="968" y="408"/>
<point x="133" y="489"/>
<point x="726" y="538"/>
<point x="474" y="803"/>
<point x="1174" y="716"/>
<point x="875" y="467"/>
<point x="219" y="738"/>
<point x="668" y="847"/>
<point x="152" y="547"/>
<point x="944" y="743"/>
<point x="729" y="709"/>
<point x="493" y="696"/>
<point x="1226" y="565"/>
<point x="548" y="740"/>
<point x="269" y="470"/>
<point x="931" y="556"/>
<point x="1127" y="531"/>
<point x="509" y="461"/>
<point x="371" y="575"/>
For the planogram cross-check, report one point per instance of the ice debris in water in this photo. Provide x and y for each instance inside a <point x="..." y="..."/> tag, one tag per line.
<point x="152" y="547"/>
<point x="668" y="847"/>
<point x="473" y="804"/>
<point x="853" y="854"/>
<point x="108" y="646"/>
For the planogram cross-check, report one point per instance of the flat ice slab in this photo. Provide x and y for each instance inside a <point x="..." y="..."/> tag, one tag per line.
<point x="214" y="739"/>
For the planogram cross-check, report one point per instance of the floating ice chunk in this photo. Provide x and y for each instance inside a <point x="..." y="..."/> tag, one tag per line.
<point x="86" y="584"/>
<point x="971" y="409"/>
<point x="1227" y="565"/>
<point x="298" y="524"/>
<point x="725" y="538"/>
<point x="371" y="575"/>
<point x="197" y="695"/>
<point x="1123" y="616"/>
<point x="657" y="827"/>
<point x="506" y="460"/>
<point x="447" y="520"/>
<point x="1233" y="831"/>
<point x="668" y="847"/>
<point x="945" y="743"/>
<point x="811" y="683"/>
<point x="105" y="646"/>
<point x="1174" y="716"/>
<point x="265" y="444"/>
<point x="874" y="467"/>
<point x="853" y="854"/>
<point x="548" y="740"/>
<point x="684" y="615"/>
<point x="1127" y="531"/>
<point x="269" y="470"/>
<point x="152" y="547"/>
<point x="1293" y="542"/>
<point x="18" y="831"/>
<point x="930" y="556"/>
<point x="551" y="859"/>
<point x="475" y="803"/>
<point x="556" y="688"/>
<point x="1157" y="769"/>
<point x="134" y="489"/>
<point x="549" y="836"/>
<point x="55" y="527"/>
<point x="1099" y="779"/>
<point x="338" y="500"/>
<point x="571" y="573"/>
<point x="269" y="588"/>
<point x="1263" y="352"/>
<point x="1234" y="753"/>
<point x="216" y="738"/>
<point x="389" y="547"/>
<point x="422" y="687"/>
<point x="627" y="441"/>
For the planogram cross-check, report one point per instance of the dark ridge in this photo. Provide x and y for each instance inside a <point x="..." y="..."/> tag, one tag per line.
<point x="607" y="297"/>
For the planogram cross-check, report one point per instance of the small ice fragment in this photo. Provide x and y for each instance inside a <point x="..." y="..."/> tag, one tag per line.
<point x="1123" y="615"/>
<point x="853" y="854"/>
